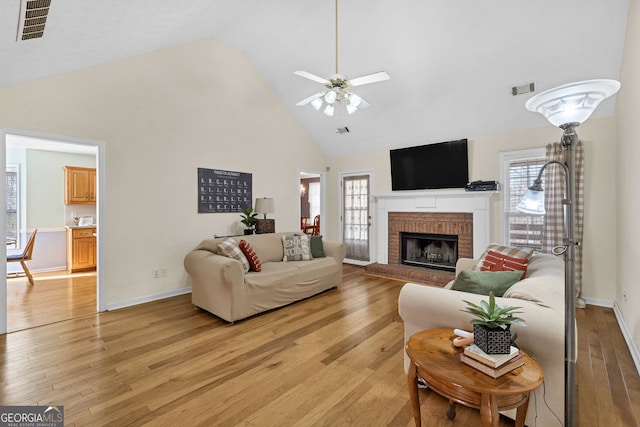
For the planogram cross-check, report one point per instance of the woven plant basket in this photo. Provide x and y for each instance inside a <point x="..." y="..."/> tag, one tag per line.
<point x="492" y="340"/>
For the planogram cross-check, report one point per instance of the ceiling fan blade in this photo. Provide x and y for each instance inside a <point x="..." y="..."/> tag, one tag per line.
<point x="364" y="103"/>
<point x="311" y="98"/>
<point x="369" y="78"/>
<point x="310" y="76"/>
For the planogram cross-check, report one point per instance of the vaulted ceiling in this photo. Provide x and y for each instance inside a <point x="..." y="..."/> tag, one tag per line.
<point x="452" y="63"/>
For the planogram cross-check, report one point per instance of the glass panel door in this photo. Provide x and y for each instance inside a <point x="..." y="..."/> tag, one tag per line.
<point x="356" y="218"/>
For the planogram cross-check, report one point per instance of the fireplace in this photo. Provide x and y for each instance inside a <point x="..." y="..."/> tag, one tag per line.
<point x="439" y="251"/>
<point x="462" y="213"/>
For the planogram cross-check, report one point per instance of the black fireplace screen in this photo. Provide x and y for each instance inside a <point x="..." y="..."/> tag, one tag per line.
<point x="438" y="251"/>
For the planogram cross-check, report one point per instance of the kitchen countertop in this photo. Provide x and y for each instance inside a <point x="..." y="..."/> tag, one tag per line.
<point x="81" y="226"/>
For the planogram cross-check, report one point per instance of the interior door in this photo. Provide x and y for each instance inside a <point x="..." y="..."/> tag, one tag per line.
<point x="356" y="217"/>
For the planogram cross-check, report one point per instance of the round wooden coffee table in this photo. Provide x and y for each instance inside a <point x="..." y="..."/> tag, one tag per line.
<point x="437" y="362"/>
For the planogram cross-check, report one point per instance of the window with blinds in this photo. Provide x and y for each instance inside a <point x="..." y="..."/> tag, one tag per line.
<point x="519" y="170"/>
<point x="11" y="206"/>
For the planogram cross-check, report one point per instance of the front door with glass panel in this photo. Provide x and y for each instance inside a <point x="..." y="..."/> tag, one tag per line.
<point x="356" y="218"/>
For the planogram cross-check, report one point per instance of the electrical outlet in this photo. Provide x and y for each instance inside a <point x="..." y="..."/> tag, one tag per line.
<point x="159" y="273"/>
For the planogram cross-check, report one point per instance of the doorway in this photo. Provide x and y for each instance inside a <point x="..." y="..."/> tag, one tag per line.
<point x="45" y="210"/>
<point x="356" y="216"/>
<point x="312" y="196"/>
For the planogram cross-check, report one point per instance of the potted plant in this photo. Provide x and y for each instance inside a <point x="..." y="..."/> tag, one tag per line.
<point x="491" y="325"/>
<point x="249" y="219"/>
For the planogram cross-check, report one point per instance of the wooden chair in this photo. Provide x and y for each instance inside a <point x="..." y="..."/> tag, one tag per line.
<point x="25" y="255"/>
<point x="316" y="226"/>
<point x="303" y="224"/>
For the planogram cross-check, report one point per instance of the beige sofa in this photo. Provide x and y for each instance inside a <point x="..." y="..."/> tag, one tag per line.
<point x="220" y="285"/>
<point x="541" y="298"/>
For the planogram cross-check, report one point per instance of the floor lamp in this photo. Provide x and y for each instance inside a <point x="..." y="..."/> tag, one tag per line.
<point x="567" y="107"/>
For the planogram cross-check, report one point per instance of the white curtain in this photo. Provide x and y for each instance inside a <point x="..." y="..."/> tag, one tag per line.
<point x="554" y="189"/>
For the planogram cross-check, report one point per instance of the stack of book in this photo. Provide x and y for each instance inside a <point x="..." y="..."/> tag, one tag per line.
<point x="493" y="365"/>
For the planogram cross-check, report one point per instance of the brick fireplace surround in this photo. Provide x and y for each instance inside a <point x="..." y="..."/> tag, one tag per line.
<point x="465" y="214"/>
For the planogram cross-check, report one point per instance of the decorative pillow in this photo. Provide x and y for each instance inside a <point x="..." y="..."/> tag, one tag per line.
<point x="495" y="261"/>
<point x="230" y="249"/>
<point x="296" y="248"/>
<point x="504" y="250"/>
<point x="317" y="247"/>
<point x="254" y="261"/>
<point x="481" y="282"/>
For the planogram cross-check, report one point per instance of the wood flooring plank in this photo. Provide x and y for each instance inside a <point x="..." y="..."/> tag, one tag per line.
<point x="335" y="359"/>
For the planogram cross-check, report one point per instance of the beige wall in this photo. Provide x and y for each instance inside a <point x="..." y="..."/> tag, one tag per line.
<point x="627" y="172"/>
<point x="598" y="136"/>
<point x="161" y="116"/>
<point x="165" y="114"/>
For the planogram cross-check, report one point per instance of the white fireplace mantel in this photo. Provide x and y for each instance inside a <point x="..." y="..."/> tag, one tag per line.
<point x="475" y="202"/>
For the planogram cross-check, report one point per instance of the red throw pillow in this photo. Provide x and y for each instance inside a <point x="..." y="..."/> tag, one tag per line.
<point x="495" y="261"/>
<point x="254" y="261"/>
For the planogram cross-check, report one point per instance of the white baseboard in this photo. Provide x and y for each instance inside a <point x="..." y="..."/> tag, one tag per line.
<point x="633" y="349"/>
<point x="148" y="298"/>
<point x="599" y="302"/>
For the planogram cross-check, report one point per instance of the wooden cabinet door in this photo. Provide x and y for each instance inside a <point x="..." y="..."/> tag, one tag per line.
<point x="80" y="185"/>
<point x="83" y="253"/>
<point x="92" y="185"/>
<point x="81" y="249"/>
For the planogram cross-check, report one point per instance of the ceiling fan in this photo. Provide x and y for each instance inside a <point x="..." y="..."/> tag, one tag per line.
<point x="337" y="87"/>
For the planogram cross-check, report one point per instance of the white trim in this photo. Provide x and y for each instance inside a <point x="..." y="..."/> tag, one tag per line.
<point x="101" y="292"/>
<point x="599" y="302"/>
<point x="372" y="210"/>
<point x="148" y="298"/>
<point x="323" y="196"/>
<point x="506" y="156"/>
<point x="475" y="202"/>
<point x="631" y="345"/>
<point x="633" y="349"/>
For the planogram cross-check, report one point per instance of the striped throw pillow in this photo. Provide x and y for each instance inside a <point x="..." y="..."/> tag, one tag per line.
<point x="254" y="261"/>
<point x="495" y="261"/>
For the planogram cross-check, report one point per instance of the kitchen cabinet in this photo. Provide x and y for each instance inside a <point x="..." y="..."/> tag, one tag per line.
<point x="79" y="185"/>
<point x="81" y="249"/>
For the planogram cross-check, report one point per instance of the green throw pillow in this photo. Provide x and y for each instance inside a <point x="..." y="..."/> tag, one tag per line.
<point x="317" y="247"/>
<point x="481" y="282"/>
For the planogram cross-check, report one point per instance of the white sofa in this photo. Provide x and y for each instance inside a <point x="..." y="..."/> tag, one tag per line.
<point x="541" y="298"/>
<point x="220" y="285"/>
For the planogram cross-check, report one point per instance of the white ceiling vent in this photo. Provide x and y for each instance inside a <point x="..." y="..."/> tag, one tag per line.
<point x="32" y="19"/>
<point x="522" y="89"/>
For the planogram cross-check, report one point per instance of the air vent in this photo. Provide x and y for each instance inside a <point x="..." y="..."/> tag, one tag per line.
<point x="342" y="130"/>
<point x="32" y="19"/>
<point x="522" y="89"/>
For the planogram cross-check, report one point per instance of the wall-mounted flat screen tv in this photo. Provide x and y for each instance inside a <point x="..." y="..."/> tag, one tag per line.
<point x="431" y="166"/>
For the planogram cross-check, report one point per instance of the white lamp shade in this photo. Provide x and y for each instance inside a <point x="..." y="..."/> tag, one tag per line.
<point x="264" y="206"/>
<point x="573" y="102"/>
<point x="329" y="110"/>
<point x="532" y="203"/>
<point x="331" y="97"/>
<point x="316" y="103"/>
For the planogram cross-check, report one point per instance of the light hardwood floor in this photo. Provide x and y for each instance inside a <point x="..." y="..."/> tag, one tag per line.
<point x="55" y="296"/>
<point x="332" y="360"/>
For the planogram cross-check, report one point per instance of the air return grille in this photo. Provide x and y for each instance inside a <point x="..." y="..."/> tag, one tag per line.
<point x="33" y="18"/>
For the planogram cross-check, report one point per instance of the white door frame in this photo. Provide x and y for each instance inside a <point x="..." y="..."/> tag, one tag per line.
<point x="323" y="195"/>
<point x="101" y="301"/>
<point x="372" y="229"/>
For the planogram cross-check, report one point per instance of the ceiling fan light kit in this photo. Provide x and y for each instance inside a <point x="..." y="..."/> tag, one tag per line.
<point x="336" y="91"/>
